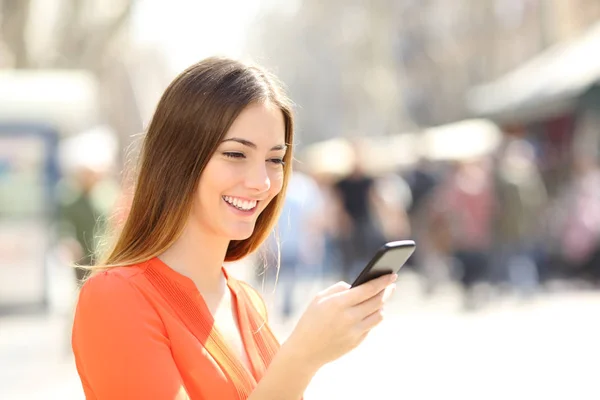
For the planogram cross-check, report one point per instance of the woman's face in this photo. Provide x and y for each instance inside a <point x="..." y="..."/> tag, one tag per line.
<point x="243" y="175"/>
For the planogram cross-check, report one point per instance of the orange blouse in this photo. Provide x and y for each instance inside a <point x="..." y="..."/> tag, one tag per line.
<point x="144" y="332"/>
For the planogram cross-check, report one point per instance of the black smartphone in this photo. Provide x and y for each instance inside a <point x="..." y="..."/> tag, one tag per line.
<point x="388" y="260"/>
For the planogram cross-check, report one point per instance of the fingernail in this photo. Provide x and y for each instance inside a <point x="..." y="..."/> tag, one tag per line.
<point x="394" y="277"/>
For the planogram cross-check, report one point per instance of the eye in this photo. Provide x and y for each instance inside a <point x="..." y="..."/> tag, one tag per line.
<point x="278" y="161"/>
<point x="232" y="154"/>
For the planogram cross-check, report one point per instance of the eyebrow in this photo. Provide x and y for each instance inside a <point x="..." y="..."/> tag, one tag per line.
<point x="252" y="145"/>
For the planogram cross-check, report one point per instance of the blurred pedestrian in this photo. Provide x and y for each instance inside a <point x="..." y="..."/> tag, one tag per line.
<point x="299" y="239"/>
<point x="579" y="224"/>
<point x="466" y="203"/>
<point x="361" y="232"/>
<point x="87" y="194"/>
<point x="521" y="199"/>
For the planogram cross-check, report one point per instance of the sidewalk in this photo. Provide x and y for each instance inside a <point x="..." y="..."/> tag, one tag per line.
<point x="35" y="360"/>
<point x="35" y="351"/>
<point x="544" y="349"/>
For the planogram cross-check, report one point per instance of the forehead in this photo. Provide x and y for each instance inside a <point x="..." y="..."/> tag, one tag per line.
<point x="261" y="123"/>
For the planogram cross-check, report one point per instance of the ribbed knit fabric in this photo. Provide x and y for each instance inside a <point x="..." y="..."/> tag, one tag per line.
<point x="144" y="332"/>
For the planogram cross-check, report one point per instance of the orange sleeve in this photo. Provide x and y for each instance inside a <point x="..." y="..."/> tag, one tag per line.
<point x="120" y="346"/>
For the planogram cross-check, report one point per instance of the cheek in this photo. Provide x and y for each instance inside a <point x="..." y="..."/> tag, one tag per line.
<point x="276" y="179"/>
<point x="219" y="175"/>
<point x="212" y="180"/>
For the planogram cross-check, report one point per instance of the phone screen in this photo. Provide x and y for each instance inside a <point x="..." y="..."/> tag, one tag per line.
<point x="389" y="259"/>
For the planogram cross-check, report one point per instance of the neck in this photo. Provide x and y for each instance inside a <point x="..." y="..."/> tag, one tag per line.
<point x="199" y="255"/>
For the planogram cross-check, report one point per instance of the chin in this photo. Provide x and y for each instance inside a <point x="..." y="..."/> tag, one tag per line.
<point x="240" y="234"/>
<point x="239" y="237"/>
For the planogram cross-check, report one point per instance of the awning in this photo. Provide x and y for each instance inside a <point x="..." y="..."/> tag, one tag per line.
<point x="67" y="100"/>
<point x="463" y="140"/>
<point x="335" y="157"/>
<point x="548" y="84"/>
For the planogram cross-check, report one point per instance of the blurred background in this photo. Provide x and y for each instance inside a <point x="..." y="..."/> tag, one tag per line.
<point x="470" y="126"/>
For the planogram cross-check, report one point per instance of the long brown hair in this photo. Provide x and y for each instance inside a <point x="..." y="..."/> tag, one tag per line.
<point x="191" y="119"/>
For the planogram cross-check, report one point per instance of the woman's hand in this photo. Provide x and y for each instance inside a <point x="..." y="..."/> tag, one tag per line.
<point x="339" y="318"/>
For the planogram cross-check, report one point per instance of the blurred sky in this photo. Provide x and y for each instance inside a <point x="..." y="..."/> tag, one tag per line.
<point x="189" y="30"/>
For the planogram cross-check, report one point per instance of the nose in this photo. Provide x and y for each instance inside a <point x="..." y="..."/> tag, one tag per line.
<point x="258" y="178"/>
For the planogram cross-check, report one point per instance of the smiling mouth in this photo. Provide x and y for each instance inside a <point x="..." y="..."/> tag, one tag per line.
<point x="242" y="205"/>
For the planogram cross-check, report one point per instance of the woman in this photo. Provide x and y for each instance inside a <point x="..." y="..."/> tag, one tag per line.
<point x="160" y="318"/>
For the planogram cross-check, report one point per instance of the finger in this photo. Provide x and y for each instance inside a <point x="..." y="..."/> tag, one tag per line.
<point x="389" y="291"/>
<point x="373" y="304"/>
<point x="358" y="294"/>
<point x="371" y="321"/>
<point x="337" y="288"/>
<point x="368" y="307"/>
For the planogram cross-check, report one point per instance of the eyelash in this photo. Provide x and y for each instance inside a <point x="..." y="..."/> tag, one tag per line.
<point x="236" y="155"/>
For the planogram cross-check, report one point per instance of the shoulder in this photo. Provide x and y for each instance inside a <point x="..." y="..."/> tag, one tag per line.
<point x="114" y="278"/>
<point x="367" y="181"/>
<point x="115" y="287"/>
<point x="341" y="183"/>
<point x="113" y="302"/>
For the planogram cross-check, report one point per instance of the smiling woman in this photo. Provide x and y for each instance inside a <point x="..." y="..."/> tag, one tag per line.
<point x="159" y="317"/>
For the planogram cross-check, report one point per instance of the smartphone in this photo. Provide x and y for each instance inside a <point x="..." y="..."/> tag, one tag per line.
<point x="388" y="260"/>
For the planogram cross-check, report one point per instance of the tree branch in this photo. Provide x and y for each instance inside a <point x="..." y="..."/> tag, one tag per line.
<point x="100" y="39"/>
<point x="15" y="14"/>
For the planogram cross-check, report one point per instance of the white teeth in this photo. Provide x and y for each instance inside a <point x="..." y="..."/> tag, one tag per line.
<point x="241" y="204"/>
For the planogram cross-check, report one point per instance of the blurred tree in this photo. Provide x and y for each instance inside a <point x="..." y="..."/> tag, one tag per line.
<point x="13" y="22"/>
<point x="73" y="34"/>
<point x="370" y="66"/>
<point x="338" y="60"/>
<point x="450" y="46"/>
<point x="77" y="34"/>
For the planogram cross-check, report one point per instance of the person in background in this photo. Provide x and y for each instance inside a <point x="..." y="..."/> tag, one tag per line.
<point x="87" y="195"/>
<point x="360" y="231"/>
<point x="422" y="181"/>
<point x="521" y="199"/>
<point x="391" y="211"/>
<point x="577" y="220"/>
<point x="465" y="203"/>
<point x="299" y="237"/>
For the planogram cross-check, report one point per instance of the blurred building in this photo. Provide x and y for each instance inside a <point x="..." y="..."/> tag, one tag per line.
<point x="447" y="47"/>
<point x="372" y="68"/>
<point x="553" y="100"/>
